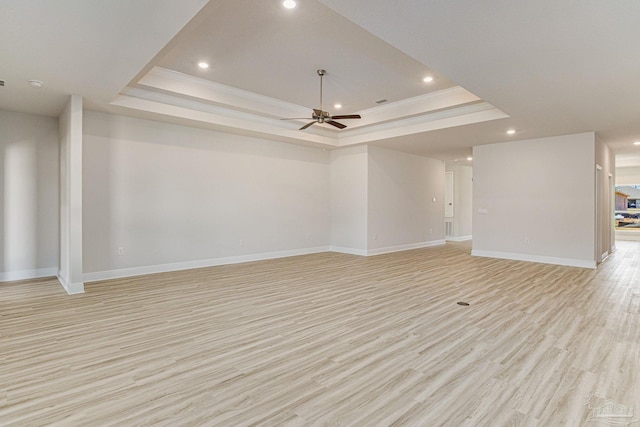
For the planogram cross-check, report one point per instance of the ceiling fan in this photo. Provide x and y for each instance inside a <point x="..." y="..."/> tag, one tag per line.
<point x="321" y="116"/>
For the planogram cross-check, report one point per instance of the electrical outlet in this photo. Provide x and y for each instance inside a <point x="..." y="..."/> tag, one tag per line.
<point x="120" y="251"/>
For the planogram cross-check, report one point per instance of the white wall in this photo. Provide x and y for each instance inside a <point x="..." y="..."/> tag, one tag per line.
<point x="28" y="196"/>
<point x="178" y="197"/>
<point x="462" y="201"/>
<point x="349" y="184"/>
<point x="174" y="197"/>
<point x="402" y="212"/>
<point x="627" y="176"/>
<point x="539" y="200"/>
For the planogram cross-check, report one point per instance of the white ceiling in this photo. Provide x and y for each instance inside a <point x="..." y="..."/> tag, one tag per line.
<point x="258" y="46"/>
<point x="89" y="48"/>
<point x="544" y="68"/>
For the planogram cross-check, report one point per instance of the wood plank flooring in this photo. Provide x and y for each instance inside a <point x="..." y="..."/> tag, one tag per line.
<point x="328" y="339"/>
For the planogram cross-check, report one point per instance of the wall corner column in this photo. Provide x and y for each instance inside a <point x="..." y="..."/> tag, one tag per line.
<point x="70" y="273"/>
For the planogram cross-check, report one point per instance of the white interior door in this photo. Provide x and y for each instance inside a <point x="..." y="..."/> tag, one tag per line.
<point x="598" y="216"/>
<point x="612" y="212"/>
<point x="448" y="195"/>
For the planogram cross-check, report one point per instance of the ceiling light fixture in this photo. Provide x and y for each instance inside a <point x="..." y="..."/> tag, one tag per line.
<point x="337" y="106"/>
<point x="289" y="4"/>
<point x="469" y="158"/>
<point x="203" y="65"/>
<point x="636" y="143"/>
<point x="511" y="132"/>
<point x="36" y="84"/>
<point x="428" y="79"/>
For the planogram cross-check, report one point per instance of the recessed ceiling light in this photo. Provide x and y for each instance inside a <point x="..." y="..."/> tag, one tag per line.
<point x="636" y="143"/>
<point x="289" y="4"/>
<point x="203" y="65"/>
<point x="428" y="79"/>
<point x="338" y="106"/>
<point x="511" y="132"/>
<point x="36" y="84"/>
<point x="469" y="158"/>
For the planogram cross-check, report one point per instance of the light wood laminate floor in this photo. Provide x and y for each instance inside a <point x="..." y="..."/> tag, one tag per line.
<point x="328" y="339"/>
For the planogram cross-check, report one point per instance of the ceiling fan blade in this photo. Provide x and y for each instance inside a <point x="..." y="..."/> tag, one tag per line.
<point x="336" y="124"/>
<point x="347" y="116"/>
<point x="296" y="118"/>
<point x="306" y="126"/>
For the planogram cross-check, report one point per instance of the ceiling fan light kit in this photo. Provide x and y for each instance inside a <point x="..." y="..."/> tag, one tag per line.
<point x="321" y="116"/>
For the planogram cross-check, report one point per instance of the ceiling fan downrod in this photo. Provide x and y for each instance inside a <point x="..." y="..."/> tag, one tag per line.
<point x="321" y="73"/>
<point x="321" y="116"/>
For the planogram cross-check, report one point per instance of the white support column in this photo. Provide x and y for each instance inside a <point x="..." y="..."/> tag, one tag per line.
<point x="70" y="126"/>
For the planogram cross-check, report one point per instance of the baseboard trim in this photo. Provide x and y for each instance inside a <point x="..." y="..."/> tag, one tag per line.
<point x="188" y="265"/>
<point x="569" y="262"/>
<point x="407" y="247"/>
<point x="10" y="276"/>
<point x="349" y="251"/>
<point x="71" y="288"/>
<point x="458" y="238"/>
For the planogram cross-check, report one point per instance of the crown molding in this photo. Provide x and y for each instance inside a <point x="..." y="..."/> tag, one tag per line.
<point x="186" y="85"/>
<point x="202" y="103"/>
<point x="440" y="120"/>
<point x="455" y="96"/>
<point x="223" y="123"/>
